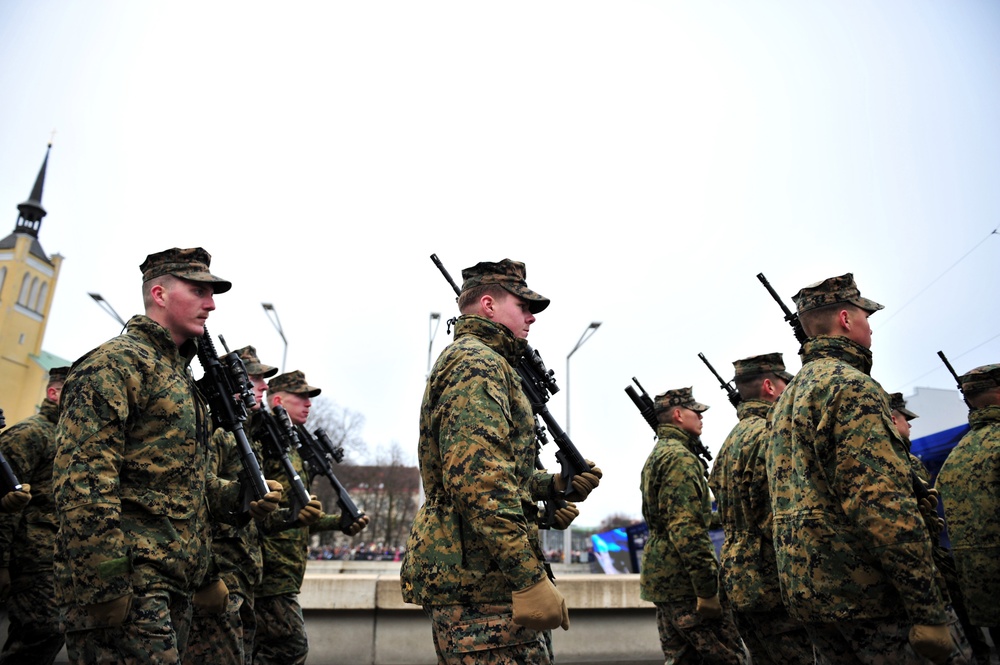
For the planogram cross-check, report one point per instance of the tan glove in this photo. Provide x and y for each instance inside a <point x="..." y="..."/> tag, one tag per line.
<point x="261" y="509"/>
<point x="709" y="609"/>
<point x="110" y="612"/>
<point x="4" y="583"/>
<point x="564" y="516"/>
<point x="358" y="526"/>
<point x="583" y="483"/>
<point x="932" y="642"/>
<point x="540" y="607"/>
<point x="311" y="512"/>
<point x="930" y="503"/>
<point x="14" y="502"/>
<point x="212" y="598"/>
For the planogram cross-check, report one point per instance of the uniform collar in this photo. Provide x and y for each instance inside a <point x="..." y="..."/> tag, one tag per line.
<point x="839" y="348"/>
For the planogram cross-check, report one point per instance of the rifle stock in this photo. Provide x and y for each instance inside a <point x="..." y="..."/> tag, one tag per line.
<point x="315" y="452"/>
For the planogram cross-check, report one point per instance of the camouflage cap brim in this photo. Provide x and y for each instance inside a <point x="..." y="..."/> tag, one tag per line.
<point x="536" y="302"/>
<point x="906" y="413"/>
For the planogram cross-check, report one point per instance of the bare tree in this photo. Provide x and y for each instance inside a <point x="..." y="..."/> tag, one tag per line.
<point x="342" y="425"/>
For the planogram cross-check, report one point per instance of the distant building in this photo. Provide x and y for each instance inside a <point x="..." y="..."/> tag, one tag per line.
<point x="27" y="285"/>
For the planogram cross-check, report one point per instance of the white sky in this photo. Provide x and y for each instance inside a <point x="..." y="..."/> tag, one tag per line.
<point x="645" y="159"/>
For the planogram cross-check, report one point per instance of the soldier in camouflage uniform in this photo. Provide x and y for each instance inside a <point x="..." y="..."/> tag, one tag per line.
<point x="281" y="633"/>
<point x="853" y="556"/>
<point x="227" y="637"/>
<point x="679" y="572"/>
<point x="27" y="538"/>
<point x="739" y="482"/>
<point x="473" y="558"/>
<point x="928" y="500"/>
<point x="969" y="483"/>
<point x="131" y="478"/>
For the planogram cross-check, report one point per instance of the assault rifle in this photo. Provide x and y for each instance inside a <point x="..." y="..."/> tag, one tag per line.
<point x="734" y="397"/>
<point x="7" y="475"/>
<point x="227" y="388"/>
<point x="319" y="453"/>
<point x="548" y="516"/>
<point x="538" y="384"/>
<point x="277" y="435"/>
<point x="645" y="405"/>
<point x="958" y="381"/>
<point x="790" y="316"/>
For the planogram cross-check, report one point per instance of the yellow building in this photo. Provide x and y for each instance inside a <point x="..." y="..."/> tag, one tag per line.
<point x="27" y="285"/>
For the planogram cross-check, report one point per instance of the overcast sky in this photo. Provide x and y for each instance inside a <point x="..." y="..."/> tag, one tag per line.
<point x="645" y="159"/>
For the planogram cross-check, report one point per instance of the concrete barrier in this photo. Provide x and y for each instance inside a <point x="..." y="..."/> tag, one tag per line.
<point x="359" y="617"/>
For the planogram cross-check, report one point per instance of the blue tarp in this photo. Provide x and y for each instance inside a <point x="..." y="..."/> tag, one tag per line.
<point x="933" y="449"/>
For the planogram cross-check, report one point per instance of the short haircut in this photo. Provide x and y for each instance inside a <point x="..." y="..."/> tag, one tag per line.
<point x="469" y="299"/>
<point x="752" y="387"/>
<point x="823" y="320"/>
<point x="147" y="288"/>
<point x="987" y="397"/>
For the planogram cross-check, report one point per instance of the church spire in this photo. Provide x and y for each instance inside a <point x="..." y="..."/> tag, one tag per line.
<point x="31" y="211"/>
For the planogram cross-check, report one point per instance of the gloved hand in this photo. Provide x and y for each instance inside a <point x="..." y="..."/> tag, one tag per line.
<point x="564" y="516"/>
<point x="931" y="501"/>
<point x="110" y="612"/>
<point x="14" y="502"/>
<point x="358" y="526"/>
<point x="4" y="583"/>
<point x="932" y="642"/>
<point x="583" y="483"/>
<point x="709" y="608"/>
<point x="540" y="607"/>
<point x="212" y="598"/>
<point x="261" y="509"/>
<point x="311" y="512"/>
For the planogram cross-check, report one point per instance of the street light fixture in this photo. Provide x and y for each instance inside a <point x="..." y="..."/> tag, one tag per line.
<point x="434" y="321"/>
<point x="106" y="306"/>
<point x="587" y="334"/>
<point x="272" y="315"/>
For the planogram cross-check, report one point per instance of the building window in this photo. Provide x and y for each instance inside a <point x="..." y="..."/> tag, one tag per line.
<point x="3" y="277"/>
<point x="33" y="298"/>
<point x="22" y="299"/>
<point x="43" y="295"/>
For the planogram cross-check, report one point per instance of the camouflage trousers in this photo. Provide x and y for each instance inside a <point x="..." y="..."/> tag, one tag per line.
<point x="223" y="639"/>
<point x="281" y="631"/>
<point x="687" y="639"/>
<point x="879" y="642"/>
<point x="34" y="636"/>
<point x="154" y="632"/>
<point x="774" y="638"/>
<point x="484" y="634"/>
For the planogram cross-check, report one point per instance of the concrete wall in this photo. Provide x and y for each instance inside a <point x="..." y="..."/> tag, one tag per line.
<point x="360" y="618"/>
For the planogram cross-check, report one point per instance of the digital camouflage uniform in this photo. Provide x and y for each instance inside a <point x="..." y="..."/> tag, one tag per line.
<point x="132" y="488"/>
<point x="475" y="539"/>
<point x="969" y="483"/>
<point x="26" y="541"/>
<point x="749" y="572"/>
<point x="678" y="559"/>
<point x="228" y="638"/>
<point x="853" y="556"/>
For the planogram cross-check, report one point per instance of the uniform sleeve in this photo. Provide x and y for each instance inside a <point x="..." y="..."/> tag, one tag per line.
<point x="873" y="483"/>
<point x="90" y="443"/>
<point x="478" y="465"/>
<point x="683" y="498"/>
<point x="21" y="448"/>
<point x="224" y="495"/>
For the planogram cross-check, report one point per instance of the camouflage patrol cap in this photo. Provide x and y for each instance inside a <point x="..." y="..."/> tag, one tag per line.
<point x="769" y="363"/>
<point x="292" y="382"/>
<point x="980" y="379"/>
<point x="678" y="397"/>
<point x="507" y="274"/>
<point x="191" y="264"/>
<point x="897" y="403"/>
<point x="831" y="291"/>
<point x="254" y="366"/>
<point x="58" y="374"/>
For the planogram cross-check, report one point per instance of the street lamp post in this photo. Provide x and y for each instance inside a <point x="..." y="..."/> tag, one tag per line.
<point x="591" y="329"/>
<point x="106" y="306"/>
<point x="432" y="328"/>
<point x="568" y="533"/>
<point x="272" y="315"/>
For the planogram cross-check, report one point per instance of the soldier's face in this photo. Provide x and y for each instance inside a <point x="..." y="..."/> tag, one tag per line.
<point x="861" y="329"/>
<point x="259" y="386"/>
<point x="513" y="312"/>
<point x="297" y="407"/>
<point x="689" y="421"/>
<point x="902" y="424"/>
<point x="186" y="308"/>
